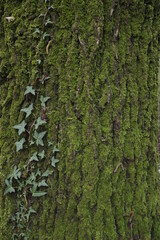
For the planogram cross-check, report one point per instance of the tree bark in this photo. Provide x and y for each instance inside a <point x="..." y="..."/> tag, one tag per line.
<point x="102" y="59"/>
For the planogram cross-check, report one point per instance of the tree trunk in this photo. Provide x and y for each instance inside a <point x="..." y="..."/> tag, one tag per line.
<point x="98" y="63"/>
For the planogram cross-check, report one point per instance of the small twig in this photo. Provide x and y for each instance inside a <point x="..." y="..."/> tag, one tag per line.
<point x="119" y="164"/>
<point x="47" y="47"/>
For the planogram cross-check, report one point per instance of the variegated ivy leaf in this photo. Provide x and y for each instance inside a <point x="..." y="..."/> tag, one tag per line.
<point x="54" y="161"/>
<point x="28" y="110"/>
<point x="39" y="137"/>
<point x="39" y="122"/>
<point x="34" y="157"/>
<point x="41" y="154"/>
<point x="29" y="89"/>
<point x="43" y="100"/>
<point x="20" y="127"/>
<point x="19" y="145"/>
<point x="55" y="149"/>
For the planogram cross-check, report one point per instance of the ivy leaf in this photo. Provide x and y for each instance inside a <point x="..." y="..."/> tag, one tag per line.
<point x="31" y="210"/>
<point x="49" y="144"/>
<point x="38" y="173"/>
<point x="45" y="35"/>
<point x="55" y="149"/>
<point x="34" y="188"/>
<point x="39" y="137"/>
<point x="16" y="173"/>
<point x="39" y="61"/>
<point x="39" y="122"/>
<point x="48" y="22"/>
<point x="31" y="143"/>
<point x="28" y="110"/>
<point x="20" y="127"/>
<point x="54" y="161"/>
<point x="47" y="173"/>
<point x="39" y="194"/>
<point x="19" y="145"/>
<point x="37" y="31"/>
<point x="34" y="157"/>
<point x="29" y="89"/>
<point x="41" y="154"/>
<point x="43" y="100"/>
<point x="42" y="183"/>
<point x="9" y="188"/>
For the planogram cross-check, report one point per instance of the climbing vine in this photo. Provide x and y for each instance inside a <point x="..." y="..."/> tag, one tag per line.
<point x="30" y="181"/>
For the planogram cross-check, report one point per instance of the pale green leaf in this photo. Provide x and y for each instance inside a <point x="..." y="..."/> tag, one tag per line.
<point x="39" y="137"/>
<point x="42" y="183"/>
<point x="19" y="145"/>
<point x="29" y="89"/>
<point x="9" y="188"/>
<point x="20" y="127"/>
<point x="43" y="100"/>
<point x="28" y="110"/>
<point x="39" y="122"/>
<point x="55" y="149"/>
<point x="16" y="174"/>
<point x="39" y="194"/>
<point x="34" y="157"/>
<point x="54" y="161"/>
<point x="41" y="154"/>
<point x="47" y="173"/>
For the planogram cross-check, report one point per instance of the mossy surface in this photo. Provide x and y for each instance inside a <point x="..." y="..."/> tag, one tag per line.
<point x="103" y="66"/>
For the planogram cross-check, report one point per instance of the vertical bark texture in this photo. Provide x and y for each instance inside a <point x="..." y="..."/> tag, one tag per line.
<point x="103" y="66"/>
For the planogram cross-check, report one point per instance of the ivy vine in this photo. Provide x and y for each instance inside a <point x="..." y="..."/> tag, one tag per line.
<point x="31" y="180"/>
